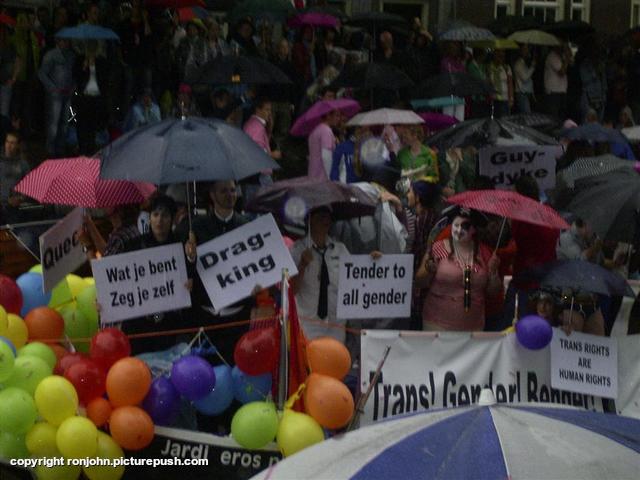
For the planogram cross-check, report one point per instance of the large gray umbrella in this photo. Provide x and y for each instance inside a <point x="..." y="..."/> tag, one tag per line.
<point x="184" y="150"/>
<point x="461" y="31"/>
<point x="488" y="131"/>
<point x="593" y="167"/>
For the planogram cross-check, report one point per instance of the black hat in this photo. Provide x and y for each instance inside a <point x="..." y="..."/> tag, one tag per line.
<point x="164" y="202"/>
<point x="478" y="219"/>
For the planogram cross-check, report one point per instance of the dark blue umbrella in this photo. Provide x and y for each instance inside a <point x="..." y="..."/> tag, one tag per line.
<point x="87" y="32"/>
<point x="184" y="150"/>
<point x="578" y="275"/>
<point x="593" y="132"/>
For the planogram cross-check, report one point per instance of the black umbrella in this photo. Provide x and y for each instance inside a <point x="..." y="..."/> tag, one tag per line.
<point x="290" y="200"/>
<point x="593" y="132"/>
<point x="569" y="29"/>
<point x="238" y="69"/>
<point x="578" y="275"/>
<point x="184" y="150"/>
<point x="373" y="75"/>
<point x="457" y="84"/>
<point x="488" y="131"/>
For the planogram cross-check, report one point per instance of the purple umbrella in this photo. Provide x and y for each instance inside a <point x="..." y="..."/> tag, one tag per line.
<point x="310" y="119"/>
<point x="437" y="121"/>
<point x="314" y="19"/>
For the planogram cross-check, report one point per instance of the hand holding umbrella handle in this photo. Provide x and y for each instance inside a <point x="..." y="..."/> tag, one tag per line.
<point x="190" y="247"/>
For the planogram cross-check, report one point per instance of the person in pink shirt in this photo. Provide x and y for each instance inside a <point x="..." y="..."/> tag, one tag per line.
<point x="257" y="127"/>
<point x="322" y="143"/>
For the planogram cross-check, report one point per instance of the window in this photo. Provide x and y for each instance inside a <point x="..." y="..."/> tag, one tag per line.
<point x="408" y="9"/>
<point x="504" y="8"/>
<point x="543" y="10"/>
<point x="635" y="13"/>
<point x="580" y="10"/>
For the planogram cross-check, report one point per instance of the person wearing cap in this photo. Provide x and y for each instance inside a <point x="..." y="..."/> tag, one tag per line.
<point x="459" y="272"/>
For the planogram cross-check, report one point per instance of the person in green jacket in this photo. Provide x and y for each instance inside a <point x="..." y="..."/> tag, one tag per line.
<point x="416" y="160"/>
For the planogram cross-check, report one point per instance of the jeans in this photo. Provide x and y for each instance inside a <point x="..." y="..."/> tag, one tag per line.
<point x="522" y="102"/>
<point x="57" y="112"/>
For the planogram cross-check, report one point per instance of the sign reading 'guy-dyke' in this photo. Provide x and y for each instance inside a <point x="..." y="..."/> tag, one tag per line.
<point x="379" y="288"/>
<point x="60" y="249"/>
<point x="231" y="265"/>
<point x="140" y="283"/>
<point x="504" y="165"/>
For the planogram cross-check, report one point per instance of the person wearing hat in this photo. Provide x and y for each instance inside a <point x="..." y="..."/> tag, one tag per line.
<point x="459" y="272"/>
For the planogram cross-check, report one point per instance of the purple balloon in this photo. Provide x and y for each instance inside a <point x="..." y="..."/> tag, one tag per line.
<point x="533" y="332"/>
<point x="193" y="377"/>
<point x="162" y="402"/>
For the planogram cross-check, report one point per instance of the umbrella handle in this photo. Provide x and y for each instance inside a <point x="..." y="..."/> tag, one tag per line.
<point x="504" y="222"/>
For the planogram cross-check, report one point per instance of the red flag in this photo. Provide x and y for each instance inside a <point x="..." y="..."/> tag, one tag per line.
<point x="298" y="365"/>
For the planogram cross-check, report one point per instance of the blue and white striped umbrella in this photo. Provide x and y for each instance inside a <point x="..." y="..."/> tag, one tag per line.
<point x="487" y="442"/>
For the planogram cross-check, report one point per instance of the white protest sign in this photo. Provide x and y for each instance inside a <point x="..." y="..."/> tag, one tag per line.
<point x="60" y="249"/>
<point x="504" y="165"/>
<point x="584" y="363"/>
<point x="375" y="288"/>
<point x="140" y="283"/>
<point x="232" y="264"/>
<point x="426" y="371"/>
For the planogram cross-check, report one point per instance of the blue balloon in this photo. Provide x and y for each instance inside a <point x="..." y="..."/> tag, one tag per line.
<point x="248" y="388"/>
<point x="162" y="402"/>
<point x="533" y="332"/>
<point x="193" y="377"/>
<point x="220" y="398"/>
<point x="11" y="345"/>
<point x="32" y="289"/>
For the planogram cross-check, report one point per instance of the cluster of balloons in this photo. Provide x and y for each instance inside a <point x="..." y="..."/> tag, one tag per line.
<point x="328" y="402"/>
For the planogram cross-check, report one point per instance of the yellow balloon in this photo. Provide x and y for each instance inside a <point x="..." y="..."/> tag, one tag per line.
<point x="89" y="281"/>
<point x="56" y="399"/>
<point x="61" y="294"/>
<point x="41" y="440"/>
<point x="297" y="431"/>
<point x="76" y="284"/>
<point x="64" y="472"/>
<point x="36" y="268"/>
<point x="77" y="437"/>
<point x="16" y="330"/>
<point x="107" y="448"/>
<point x="509" y="330"/>
<point x="4" y="322"/>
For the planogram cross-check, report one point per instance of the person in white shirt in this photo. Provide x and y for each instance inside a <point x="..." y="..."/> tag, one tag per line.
<point x="556" y="81"/>
<point x="523" y="72"/>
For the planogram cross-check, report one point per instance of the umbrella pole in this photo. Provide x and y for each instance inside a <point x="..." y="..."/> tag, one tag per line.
<point x="504" y="222"/>
<point x="283" y="368"/>
<point x="188" y="206"/>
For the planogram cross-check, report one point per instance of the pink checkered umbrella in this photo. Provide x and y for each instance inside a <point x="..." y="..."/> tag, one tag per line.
<point x="312" y="117"/>
<point x="76" y="182"/>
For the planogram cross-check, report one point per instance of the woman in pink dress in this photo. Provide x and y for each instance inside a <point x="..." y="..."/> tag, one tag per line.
<point x="458" y="272"/>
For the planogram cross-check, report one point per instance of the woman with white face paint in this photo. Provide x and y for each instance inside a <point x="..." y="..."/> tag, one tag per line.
<point x="458" y="272"/>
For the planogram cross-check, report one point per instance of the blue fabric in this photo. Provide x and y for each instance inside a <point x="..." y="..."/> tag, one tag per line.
<point x="622" y="150"/>
<point x="462" y="446"/>
<point x="623" y="430"/>
<point x="344" y="152"/>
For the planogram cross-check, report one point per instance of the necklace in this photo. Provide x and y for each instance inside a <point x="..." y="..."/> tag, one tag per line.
<point x="466" y="275"/>
<point x="467" y="262"/>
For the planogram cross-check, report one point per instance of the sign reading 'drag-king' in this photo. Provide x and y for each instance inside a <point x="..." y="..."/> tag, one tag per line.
<point x="426" y="371"/>
<point x="375" y="288"/>
<point x="60" y="249"/>
<point x="140" y="283"/>
<point x="232" y="264"/>
<point x="584" y="363"/>
<point x="504" y="165"/>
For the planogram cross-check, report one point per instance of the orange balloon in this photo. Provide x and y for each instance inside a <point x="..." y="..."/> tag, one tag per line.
<point x="328" y="401"/>
<point x="59" y="350"/>
<point x="328" y="356"/>
<point x="128" y="382"/>
<point x="44" y="323"/>
<point x="99" y="411"/>
<point x="131" y="427"/>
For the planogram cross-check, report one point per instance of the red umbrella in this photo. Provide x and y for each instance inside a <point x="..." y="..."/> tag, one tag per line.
<point x="7" y="20"/>
<point x="509" y="204"/>
<point x="76" y="181"/>
<point x="312" y="117"/>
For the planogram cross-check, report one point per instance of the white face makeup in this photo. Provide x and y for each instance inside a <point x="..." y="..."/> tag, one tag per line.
<point x="461" y="230"/>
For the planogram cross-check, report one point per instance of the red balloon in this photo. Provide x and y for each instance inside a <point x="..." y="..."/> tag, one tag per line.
<point x="257" y="351"/>
<point x="67" y="360"/>
<point x="88" y="379"/>
<point x="44" y="323"/>
<point x="10" y="295"/>
<point x="108" y="346"/>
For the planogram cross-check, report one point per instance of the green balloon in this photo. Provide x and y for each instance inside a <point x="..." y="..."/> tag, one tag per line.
<point x="17" y="411"/>
<point x="28" y="372"/>
<point x="40" y="350"/>
<point x="87" y="304"/>
<point x="36" y="268"/>
<point x="76" y="325"/>
<point x="255" y="424"/>
<point x="61" y="294"/>
<point x="7" y="360"/>
<point x="12" y="446"/>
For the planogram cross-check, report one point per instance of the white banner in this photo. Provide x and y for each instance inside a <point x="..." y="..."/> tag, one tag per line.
<point x="140" y="283"/>
<point x="375" y="288"/>
<point x="232" y="264"/>
<point x="628" y="401"/>
<point x="425" y="371"/>
<point x="584" y="363"/>
<point x="504" y="165"/>
<point x="60" y="249"/>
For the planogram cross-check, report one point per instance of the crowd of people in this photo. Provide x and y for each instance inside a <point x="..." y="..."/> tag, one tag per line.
<point x="94" y="90"/>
